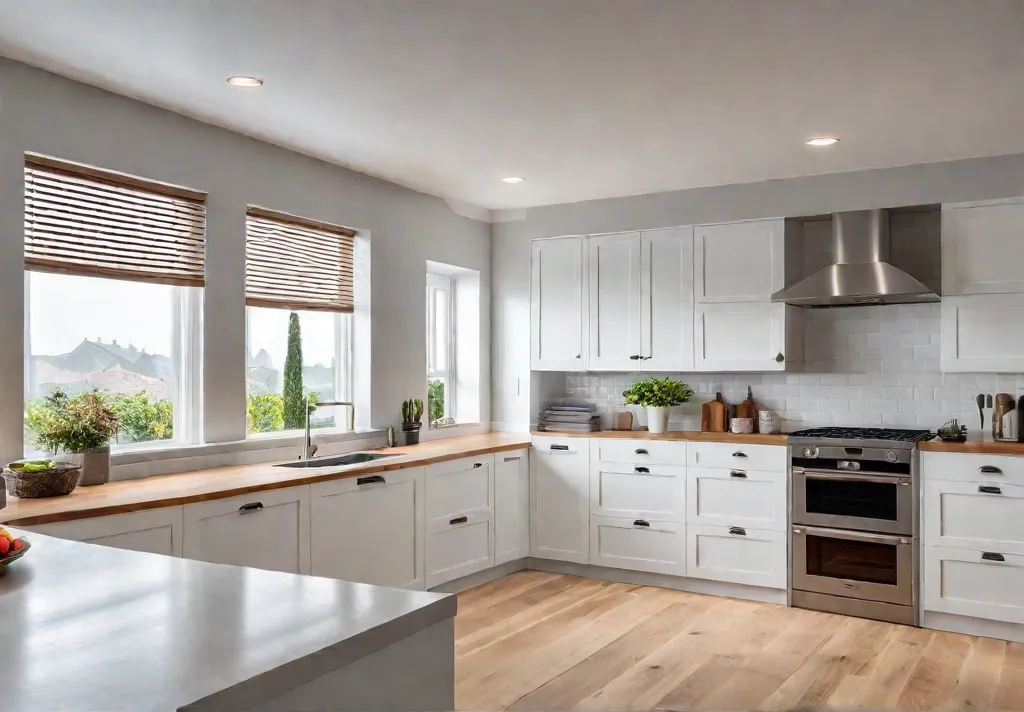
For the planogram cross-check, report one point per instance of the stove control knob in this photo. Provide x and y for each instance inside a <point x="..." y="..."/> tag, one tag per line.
<point x="810" y="452"/>
<point x="891" y="456"/>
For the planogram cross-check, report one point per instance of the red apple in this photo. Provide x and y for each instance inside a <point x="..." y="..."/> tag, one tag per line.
<point x="17" y="545"/>
<point x="5" y="546"/>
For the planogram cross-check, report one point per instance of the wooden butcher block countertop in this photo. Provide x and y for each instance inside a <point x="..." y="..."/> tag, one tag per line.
<point x="201" y="485"/>
<point x="977" y="444"/>
<point x="684" y="435"/>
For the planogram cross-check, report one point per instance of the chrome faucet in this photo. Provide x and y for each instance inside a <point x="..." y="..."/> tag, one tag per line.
<point x="308" y="448"/>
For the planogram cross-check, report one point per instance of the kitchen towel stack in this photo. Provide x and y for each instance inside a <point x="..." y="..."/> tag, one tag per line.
<point x="570" y="419"/>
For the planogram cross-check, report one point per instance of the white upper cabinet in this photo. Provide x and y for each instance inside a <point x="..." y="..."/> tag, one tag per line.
<point x="983" y="247"/>
<point x="614" y="278"/>
<point x="748" y="336"/>
<point x="666" y="293"/>
<point x="557" y="304"/>
<point x="739" y="262"/>
<point x="981" y="333"/>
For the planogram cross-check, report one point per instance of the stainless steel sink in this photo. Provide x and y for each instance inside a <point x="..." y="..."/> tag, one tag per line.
<point x="352" y="458"/>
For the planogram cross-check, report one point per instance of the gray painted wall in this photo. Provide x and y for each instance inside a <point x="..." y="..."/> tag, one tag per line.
<point x="514" y="404"/>
<point x="44" y="113"/>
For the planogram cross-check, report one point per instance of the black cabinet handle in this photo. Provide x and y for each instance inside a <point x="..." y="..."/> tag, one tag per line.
<point x="739" y="453"/>
<point x="646" y="358"/>
<point x="458" y="520"/>
<point x="990" y="470"/>
<point x="634" y="357"/>
<point x="477" y="464"/>
<point x="642" y="470"/>
<point x="641" y="523"/>
<point x="559" y="447"/>
<point x="640" y="451"/>
<point x="251" y="507"/>
<point x="989" y="489"/>
<point x="992" y="556"/>
<point x="371" y="480"/>
<point x="738" y="474"/>
<point x="512" y="459"/>
<point x="738" y="531"/>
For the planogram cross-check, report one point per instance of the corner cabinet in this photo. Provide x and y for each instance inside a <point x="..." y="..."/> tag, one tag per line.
<point x="982" y="249"/>
<point x="557" y="305"/>
<point x="748" y="336"/>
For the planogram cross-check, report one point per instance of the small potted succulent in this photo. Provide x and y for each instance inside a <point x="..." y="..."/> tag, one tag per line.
<point x="81" y="427"/>
<point x="657" y="395"/>
<point x="412" y="416"/>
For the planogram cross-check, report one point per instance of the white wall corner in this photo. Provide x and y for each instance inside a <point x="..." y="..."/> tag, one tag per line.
<point x="470" y="210"/>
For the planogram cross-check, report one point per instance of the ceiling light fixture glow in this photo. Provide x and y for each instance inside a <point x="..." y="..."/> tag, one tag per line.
<point x="513" y="179"/>
<point x="245" y="82"/>
<point x="822" y="141"/>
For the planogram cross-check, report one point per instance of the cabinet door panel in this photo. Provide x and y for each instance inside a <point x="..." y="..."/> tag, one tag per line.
<point x="511" y="506"/>
<point x="741" y="337"/>
<point x="638" y="545"/>
<point x="556" y="305"/>
<point x="982" y="249"/>
<point x="744" y="498"/>
<point x="156" y="531"/>
<point x="666" y="286"/>
<point x="460" y="486"/>
<point x="559" y="500"/>
<point x="979" y="333"/>
<point x="739" y="262"/>
<point x="755" y="557"/>
<point x="968" y="515"/>
<point x="971" y="583"/>
<point x="639" y="492"/>
<point x="614" y="279"/>
<point x="458" y="547"/>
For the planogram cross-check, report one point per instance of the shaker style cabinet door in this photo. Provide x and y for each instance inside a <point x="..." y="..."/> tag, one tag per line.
<point x="156" y="531"/>
<point x="982" y="247"/>
<point x="560" y="499"/>
<point x="511" y="506"/>
<point x="739" y="262"/>
<point x="746" y="336"/>
<point x="557" y="304"/>
<point x="666" y="309"/>
<point x="980" y="334"/>
<point x="614" y="279"/>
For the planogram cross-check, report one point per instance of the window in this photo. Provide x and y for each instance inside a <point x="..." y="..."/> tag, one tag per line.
<point x="299" y="296"/>
<point x="115" y="270"/>
<point x="440" y="349"/>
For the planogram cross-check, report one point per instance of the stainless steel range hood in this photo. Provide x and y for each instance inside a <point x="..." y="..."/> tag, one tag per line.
<point x="861" y="273"/>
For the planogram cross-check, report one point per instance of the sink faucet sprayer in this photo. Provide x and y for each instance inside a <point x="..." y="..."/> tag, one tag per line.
<point x="308" y="448"/>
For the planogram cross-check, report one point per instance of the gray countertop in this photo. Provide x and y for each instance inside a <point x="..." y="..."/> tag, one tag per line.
<point x="88" y="627"/>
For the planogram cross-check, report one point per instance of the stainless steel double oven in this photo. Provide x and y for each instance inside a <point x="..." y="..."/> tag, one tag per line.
<point x="854" y="522"/>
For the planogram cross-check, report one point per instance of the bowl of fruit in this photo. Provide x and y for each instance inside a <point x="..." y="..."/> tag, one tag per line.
<point x="11" y="549"/>
<point x="41" y="478"/>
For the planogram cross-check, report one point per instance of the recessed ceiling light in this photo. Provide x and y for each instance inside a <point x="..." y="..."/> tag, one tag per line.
<point x="822" y="141"/>
<point x="245" y="82"/>
<point x="513" y="179"/>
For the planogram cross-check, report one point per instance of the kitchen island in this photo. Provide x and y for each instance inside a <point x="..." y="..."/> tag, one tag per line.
<point x="90" y="627"/>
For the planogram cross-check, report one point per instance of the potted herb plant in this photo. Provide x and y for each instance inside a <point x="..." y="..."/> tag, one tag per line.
<point x="657" y="395"/>
<point x="412" y="416"/>
<point x="79" y="426"/>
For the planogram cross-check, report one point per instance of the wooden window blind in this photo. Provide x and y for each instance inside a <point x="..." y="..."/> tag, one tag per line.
<point x="85" y="221"/>
<point x="295" y="263"/>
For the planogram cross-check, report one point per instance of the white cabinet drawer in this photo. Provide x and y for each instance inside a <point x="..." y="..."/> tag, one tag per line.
<point x="742" y="498"/>
<point x="637" y="452"/>
<point x="156" y="531"/>
<point x="638" y="545"/>
<point x="640" y="492"/>
<point x="263" y="530"/>
<point x="460" y="486"/>
<point x="756" y="557"/>
<point x="972" y="467"/>
<point x="986" y="516"/>
<point x="458" y="547"/>
<point x="974" y="583"/>
<point x="772" y="458"/>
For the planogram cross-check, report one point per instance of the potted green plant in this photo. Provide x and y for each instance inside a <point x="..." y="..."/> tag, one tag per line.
<point x="79" y="426"/>
<point x="657" y="395"/>
<point x="412" y="416"/>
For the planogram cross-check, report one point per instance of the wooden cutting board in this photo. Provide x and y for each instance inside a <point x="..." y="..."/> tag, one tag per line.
<point x="714" y="415"/>
<point x="748" y="408"/>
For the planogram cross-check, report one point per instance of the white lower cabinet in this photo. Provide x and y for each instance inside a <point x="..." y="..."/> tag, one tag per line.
<point x="559" y="499"/>
<point x="460" y="518"/>
<point x="156" y="531"/>
<point x="264" y="530"/>
<point x="969" y="515"/>
<point x="370" y="529"/>
<point x="511" y="506"/>
<point x="734" y="497"/>
<point x="755" y="557"/>
<point x="979" y="584"/>
<point x="638" y="545"/>
<point x="638" y="492"/>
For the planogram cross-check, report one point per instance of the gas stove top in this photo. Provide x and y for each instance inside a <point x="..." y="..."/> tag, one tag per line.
<point x="891" y="437"/>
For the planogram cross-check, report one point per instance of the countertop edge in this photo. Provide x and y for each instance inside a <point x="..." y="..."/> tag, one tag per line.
<point x="973" y="447"/>
<point x="777" y="439"/>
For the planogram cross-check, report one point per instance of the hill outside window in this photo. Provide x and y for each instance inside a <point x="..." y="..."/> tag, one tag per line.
<point x="115" y="270"/>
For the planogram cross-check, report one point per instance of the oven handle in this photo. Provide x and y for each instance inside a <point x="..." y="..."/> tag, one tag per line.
<point x="852" y="536"/>
<point x="846" y="477"/>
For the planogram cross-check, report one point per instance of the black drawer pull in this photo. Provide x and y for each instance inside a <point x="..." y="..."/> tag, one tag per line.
<point x="512" y="459"/>
<point x="738" y="474"/>
<point x="634" y="357"/>
<point x="642" y="470"/>
<point x="640" y="451"/>
<point x="641" y="523"/>
<point x="989" y="489"/>
<point x="458" y="520"/>
<point x="371" y="480"/>
<point x="739" y="453"/>
<point x="990" y="470"/>
<point x="477" y="464"/>
<point x="992" y="556"/>
<point x="559" y="447"/>
<point x="251" y="507"/>
<point x="738" y="531"/>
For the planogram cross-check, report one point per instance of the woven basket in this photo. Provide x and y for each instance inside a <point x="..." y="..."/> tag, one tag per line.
<point x="54" y="482"/>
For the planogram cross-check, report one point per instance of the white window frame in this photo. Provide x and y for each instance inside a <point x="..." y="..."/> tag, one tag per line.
<point x="186" y="355"/>
<point x="441" y="283"/>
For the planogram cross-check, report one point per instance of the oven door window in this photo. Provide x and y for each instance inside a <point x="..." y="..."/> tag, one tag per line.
<point x="866" y="500"/>
<point x="871" y="562"/>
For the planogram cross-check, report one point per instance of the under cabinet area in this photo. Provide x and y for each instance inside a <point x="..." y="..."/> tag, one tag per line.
<point x="264" y="530"/>
<point x="459" y="518"/>
<point x="370" y="529"/>
<point x="156" y="531"/>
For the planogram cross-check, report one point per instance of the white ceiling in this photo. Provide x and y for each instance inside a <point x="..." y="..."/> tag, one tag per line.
<point x="584" y="98"/>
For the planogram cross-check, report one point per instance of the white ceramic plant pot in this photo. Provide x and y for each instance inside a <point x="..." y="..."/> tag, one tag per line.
<point x="657" y="418"/>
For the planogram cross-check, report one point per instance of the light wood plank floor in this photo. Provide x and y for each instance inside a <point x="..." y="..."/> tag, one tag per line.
<point x="539" y="641"/>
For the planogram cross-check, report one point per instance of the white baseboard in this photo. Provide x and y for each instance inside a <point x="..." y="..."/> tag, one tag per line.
<point x="973" y="626"/>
